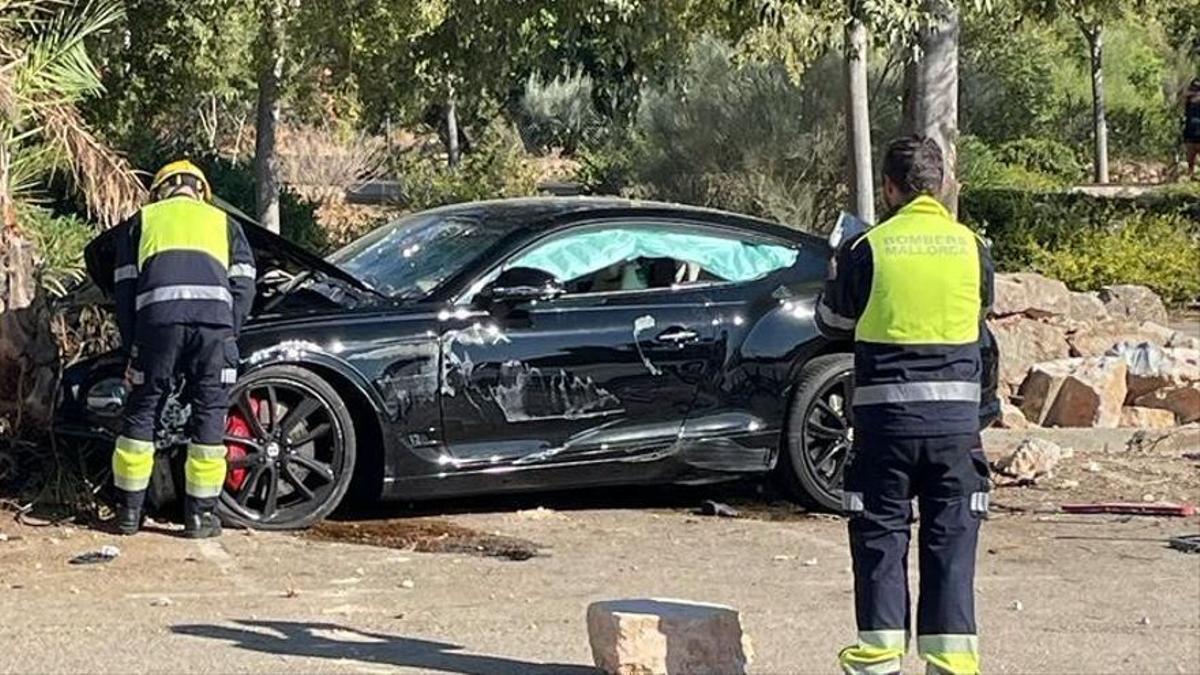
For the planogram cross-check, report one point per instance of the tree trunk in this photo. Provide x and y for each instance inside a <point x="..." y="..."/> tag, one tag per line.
<point x="1095" y="38"/>
<point x="266" y="157"/>
<point x="28" y="350"/>
<point x="858" y="117"/>
<point x="931" y="90"/>
<point x="452" y="150"/>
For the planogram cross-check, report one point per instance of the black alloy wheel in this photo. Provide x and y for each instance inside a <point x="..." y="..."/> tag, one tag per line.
<point x="290" y="463"/>
<point x="820" y="432"/>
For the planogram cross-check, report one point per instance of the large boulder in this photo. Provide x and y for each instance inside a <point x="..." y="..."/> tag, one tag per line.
<point x="1030" y="294"/>
<point x="1182" y="400"/>
<point x="665" y="637"/>
<point x="1087" y="307"/>
<point x="1078" y="392"/>
<point x="1096" y="339"/>
<point x="1134" y="302"/>
<point x="1151" y="367"/>
<point x="1023" y="342"/>
<point x="1146" y="418"/>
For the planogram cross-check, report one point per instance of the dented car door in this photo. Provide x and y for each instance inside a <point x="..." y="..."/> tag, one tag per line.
<point x="584" y="377"/>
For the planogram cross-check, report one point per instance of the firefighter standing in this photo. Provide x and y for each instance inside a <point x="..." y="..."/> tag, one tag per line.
<point x="184" y="283"/>
<point x="913" y="292"/>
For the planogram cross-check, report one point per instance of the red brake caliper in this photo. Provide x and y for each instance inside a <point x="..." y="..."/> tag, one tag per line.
<point x="237" y="426"/>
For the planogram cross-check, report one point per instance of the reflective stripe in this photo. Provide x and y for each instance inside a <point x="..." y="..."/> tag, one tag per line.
<point x="853" y="503"/>
<point x="206" y="451"/>
<point x="132" y="464"/>
<point x="184" y="292"/>
<point x="884" y="639"/>
<point x="878" y="652"/>
<point x="243" y="270"/>
<point x="125" y="273"/>
<point x="134" y="446"/>
<point x="950" y="654"/>
<point x="979" y="502"/>
<point x="228" y="375"/>
<point x="204" y="470"/>
<point x="914" y="392"/>
<point x="833" y="319"/>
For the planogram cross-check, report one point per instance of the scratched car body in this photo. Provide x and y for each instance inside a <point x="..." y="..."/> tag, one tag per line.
<point x="518" y="345"/>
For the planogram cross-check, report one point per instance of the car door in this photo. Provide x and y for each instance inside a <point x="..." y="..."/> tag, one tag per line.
<point x="591" y="373"/>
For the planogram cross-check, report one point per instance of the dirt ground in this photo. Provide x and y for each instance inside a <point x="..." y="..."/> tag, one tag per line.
<point x="1057" y="593"/>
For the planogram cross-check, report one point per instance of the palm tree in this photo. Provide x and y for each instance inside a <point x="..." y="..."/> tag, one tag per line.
<point x="45" y="71"/>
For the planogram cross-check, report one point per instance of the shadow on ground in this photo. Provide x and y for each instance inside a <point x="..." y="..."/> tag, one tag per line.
<point x="331" y="641"/>
<point x="752" y="499"/>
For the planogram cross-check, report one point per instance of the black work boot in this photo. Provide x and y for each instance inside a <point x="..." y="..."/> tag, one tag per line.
<point x="199" y="519"/>
<point x="201" y="525"/>
<point x="129" y="520"/>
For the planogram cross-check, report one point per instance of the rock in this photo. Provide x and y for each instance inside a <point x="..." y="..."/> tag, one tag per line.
<point x="653" y="637"/>
<point x="1016" y="606"/>
<point x="1096" y="339"/>
<point x="1135" y="302"/>
<point x="162" y="602"/>
<point x="1087" y="307"/>
<point x="408" y="584"/>
<point x="1183" y="400"/>
<point x="1075" y="392"/>
<point x="1034" y="458"/>
<point x="1147" y="418"/>
<point x="1022" y="343"/>
<point x="1011" y="417"/>
<point x="1030" y="294"/>
<point x="1151" y="368"/>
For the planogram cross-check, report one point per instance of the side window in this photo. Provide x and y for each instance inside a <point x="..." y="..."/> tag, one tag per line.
<point x="632" y="257"/>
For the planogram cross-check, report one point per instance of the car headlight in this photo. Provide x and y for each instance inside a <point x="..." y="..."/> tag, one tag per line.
<point x="106" y="398"/>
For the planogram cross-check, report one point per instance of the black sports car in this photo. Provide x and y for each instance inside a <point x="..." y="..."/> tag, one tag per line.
<point x="518" y="345"/>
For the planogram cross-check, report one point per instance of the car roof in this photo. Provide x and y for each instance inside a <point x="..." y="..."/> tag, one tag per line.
<point x="544" y="212"/>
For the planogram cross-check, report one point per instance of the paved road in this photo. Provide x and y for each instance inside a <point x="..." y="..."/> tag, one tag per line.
<point x="1096" y="595"/>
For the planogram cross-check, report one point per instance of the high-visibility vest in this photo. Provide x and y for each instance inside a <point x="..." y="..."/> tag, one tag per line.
<point x="917" y="355"/>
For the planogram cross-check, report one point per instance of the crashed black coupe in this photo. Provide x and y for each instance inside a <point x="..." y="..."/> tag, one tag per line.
<point x="518" y="345"/>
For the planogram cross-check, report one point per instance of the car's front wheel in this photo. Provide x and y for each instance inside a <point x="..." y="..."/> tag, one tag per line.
<point x="291" y="450"/>
<point x="820" y="432"/>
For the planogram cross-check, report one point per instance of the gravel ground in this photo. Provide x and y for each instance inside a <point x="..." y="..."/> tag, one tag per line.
<point x="1057" y="593"/>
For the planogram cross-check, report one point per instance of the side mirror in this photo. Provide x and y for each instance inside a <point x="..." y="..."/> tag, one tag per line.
<point x="520" y="285"/>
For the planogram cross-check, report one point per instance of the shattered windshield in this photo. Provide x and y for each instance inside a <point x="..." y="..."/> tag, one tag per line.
<point x="414" y="255"/>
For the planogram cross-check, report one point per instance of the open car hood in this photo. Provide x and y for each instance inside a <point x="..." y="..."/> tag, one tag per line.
<point x="271" y="252"/>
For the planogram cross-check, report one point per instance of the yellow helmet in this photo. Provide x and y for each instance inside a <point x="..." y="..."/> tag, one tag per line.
<point x="176" y="171"/>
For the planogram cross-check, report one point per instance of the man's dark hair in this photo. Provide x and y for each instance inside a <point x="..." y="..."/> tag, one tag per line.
<point x="914" y="163"/>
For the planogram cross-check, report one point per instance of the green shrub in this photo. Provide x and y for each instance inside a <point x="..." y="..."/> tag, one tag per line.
<point x="1042" y="155"/>
<point x="745" y="137"/>
<point x="1033" y="164"/>
<point x="1155" y="251"/>
<point x="496" y="167"/>
<point x="558" y="113"/>
<point x="60" y="241"/>
<point x="1089" y="241"/>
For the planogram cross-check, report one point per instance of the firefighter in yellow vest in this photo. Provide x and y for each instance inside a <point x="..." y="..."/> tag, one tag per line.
<point x="913" y="292"/>
<point x="183" y="284"/>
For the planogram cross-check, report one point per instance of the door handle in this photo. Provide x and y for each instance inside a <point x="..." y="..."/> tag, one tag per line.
<point x="677" y="336"/>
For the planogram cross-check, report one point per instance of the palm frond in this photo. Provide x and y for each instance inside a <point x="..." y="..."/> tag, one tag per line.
<point x="57" y="68"/>
<point x="106" y="180"/>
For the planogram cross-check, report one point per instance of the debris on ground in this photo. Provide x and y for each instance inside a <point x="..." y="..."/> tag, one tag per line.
<point x="717" y="509"/>
<point x="101" y="555"/>
<point x="162" y="602"/>
<point x="667" y="636"/>
<point x="811" y="562"/>
<point x="1132" y="509"/>
<point x="540" y="513"/>
<point x="1034" y="458"/>
<point x="1188" y="543"/>
<point x="1016" y="606"/>
<point x="425" y="535"/>
<point x="408" y="584"/>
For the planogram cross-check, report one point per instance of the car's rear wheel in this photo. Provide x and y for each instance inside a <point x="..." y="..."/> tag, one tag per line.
<point x="820" y="432"/>
<point x="291" y="450"/>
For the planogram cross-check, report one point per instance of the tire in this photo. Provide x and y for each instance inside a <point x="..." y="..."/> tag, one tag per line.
<point x="809" y="480"/>
<point x="308" y="455"/>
